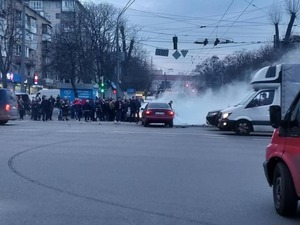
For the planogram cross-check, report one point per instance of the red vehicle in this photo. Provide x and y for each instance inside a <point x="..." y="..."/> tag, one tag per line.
<point x="157" y="112"/>
<point x="282" y="165"/>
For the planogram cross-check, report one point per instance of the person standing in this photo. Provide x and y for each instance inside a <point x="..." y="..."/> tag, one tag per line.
<point x="118" y="108"/>
<point x="52" y="102"/>
<point x="133" y="109"/>
<point x="45" y="108"/>
<point x="78" y="109"/>
<point x="21" y="107"/>
<point x="170" y="104"/>
<point x="138" y="106"/>
<point x="65" y="106"/>
<point x="86" y="110"/>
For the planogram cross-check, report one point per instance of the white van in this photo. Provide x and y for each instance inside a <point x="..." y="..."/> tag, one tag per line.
<point x="49" y="92"/>
<point x="270" y="87"/>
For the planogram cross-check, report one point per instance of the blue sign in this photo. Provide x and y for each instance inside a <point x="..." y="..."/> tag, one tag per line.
<point x="130" y="91"/>
<point x="82" y="93"/>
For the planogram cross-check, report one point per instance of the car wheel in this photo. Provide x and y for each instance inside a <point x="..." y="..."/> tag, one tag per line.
<point x="243" y="127"/>
<point x="171" y="124"/>
<point x="146" y="124"/>
<point x="3" y="122"/>
<point x="284" y="194"/>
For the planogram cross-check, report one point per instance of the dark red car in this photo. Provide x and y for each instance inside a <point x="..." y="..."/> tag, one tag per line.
<point x="157" y="112"/>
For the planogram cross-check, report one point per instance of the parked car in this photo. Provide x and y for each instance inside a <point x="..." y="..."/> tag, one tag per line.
<point x="212" y="117"/>
<point x="282" y="164"/>
<point x="8" y="106"/>
<point x="157" y="112"/>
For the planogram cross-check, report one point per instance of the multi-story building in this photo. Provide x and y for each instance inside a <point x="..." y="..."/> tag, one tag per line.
<point x="57" y="12"/>
<point x="37" y="31"/>
<point x="38" y="37"/>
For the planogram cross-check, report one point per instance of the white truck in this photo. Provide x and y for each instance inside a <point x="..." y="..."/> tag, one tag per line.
<point x="272" y="85"/>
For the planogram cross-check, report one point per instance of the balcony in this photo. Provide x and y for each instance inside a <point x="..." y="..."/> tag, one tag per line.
<point x="46" y="37"/>
<point x="28" y="62"/>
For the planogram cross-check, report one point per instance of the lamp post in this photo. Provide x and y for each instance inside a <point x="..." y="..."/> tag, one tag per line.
<point x="23" y="49"/>
<point x="129" y="3"/>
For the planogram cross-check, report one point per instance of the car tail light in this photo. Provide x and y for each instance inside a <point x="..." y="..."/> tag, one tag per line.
<point x="148" y="112"/>
<point x="171" y="113"/>
<point x="7" y="107"/>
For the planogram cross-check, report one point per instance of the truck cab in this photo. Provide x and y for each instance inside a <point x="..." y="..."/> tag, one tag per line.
<point x="282" y="164"/>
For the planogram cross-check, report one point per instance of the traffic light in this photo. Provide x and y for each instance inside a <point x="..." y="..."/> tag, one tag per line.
<point x="114" y="91"/>
<point x="217" y="41"/>
<point x="36" y="79"/>
<point x="102" y="87"/>
<point x="175" y="40"/>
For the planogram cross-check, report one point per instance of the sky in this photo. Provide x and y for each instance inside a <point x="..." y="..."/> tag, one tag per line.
<point x="246" y="23"/>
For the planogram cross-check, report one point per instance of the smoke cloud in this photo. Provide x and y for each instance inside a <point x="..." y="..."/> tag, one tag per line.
<point x="191" y="108"/>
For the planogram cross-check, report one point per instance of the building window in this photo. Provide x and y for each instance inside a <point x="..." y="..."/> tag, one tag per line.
<point x="69" y="4"/>
<point x="44" y="28"/>
<point x="36" y="5"/>
<point x="57" y="15"/>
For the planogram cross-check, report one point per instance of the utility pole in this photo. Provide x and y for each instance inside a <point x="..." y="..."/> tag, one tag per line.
<point x="23" y="49"/>
<point x="129" y="3"/>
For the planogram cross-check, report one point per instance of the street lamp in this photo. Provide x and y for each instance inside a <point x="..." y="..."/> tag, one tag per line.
<point x="129" y="3"/>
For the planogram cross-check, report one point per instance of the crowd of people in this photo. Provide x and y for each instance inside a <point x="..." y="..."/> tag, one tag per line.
<point x="108" y="109"/>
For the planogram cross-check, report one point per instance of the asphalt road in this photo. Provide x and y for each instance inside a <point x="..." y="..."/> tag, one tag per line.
<point x="69" y="173"/>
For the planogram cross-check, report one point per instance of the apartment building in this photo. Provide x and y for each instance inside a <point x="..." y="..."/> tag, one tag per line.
<point x="57" y="12"/>
<point x="37" y="36"/>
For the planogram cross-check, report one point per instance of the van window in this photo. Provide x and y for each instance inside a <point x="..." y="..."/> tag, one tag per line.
<point x="271" y="72"/>
<point x="263" y="98"/>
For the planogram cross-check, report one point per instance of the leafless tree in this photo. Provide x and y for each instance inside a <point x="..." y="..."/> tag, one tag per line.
<point x="70" y="59"/>
<point x="10" y="36"/>
<point x="86" y="50"/>
<point x="275" y="15"/>
<point x="292" y="7"/>
<point x="101" y="25"/>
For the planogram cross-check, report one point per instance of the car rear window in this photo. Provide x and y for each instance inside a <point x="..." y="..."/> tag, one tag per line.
<point x="158" y="106"/>
<point x="7" y="96"/>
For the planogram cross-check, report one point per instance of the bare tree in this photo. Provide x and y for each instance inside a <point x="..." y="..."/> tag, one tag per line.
<point x="292" y="7"/>
<point x="275" y="15"/>
<point x="100" y="31"/>
<point x="10" y="33"/>
<point x="70" y="59"/>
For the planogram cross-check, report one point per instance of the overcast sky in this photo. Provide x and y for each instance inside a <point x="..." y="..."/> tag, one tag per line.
<point x="245" y="22"/>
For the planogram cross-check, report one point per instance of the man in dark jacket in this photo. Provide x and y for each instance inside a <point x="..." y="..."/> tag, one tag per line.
<point x="118" y="108"/>
<point x="45" y="108"/>
<point x="86" y="108"/>
<point x="133" y="109"/>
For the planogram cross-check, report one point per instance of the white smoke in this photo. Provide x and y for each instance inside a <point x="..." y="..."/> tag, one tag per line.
<point x="191" y="108"/>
